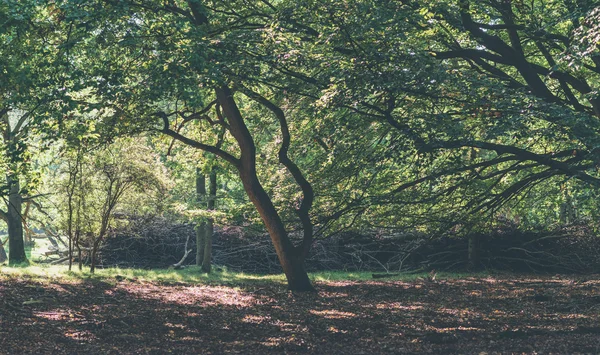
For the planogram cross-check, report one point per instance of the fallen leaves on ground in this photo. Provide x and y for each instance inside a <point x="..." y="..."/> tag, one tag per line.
<point x="508" y="314"/>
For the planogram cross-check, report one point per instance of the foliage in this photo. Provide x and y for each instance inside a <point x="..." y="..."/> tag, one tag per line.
<point x="442" y="118"/>
<point x="93" y="187"/>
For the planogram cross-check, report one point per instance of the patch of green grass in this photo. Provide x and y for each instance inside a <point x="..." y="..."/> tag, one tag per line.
<point x="193" y="275"/>
<point x="341" y="276"/>
<point x="188" y="275"/>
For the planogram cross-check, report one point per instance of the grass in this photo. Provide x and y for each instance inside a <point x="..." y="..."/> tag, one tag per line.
<point x="188" y="275"/>
<point x="192" y="275"/>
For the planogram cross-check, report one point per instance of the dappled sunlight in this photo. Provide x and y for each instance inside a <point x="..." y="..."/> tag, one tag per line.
<point x="56" y="315"/>
<point x="203" y="296"/>
<point x="459" y="312"/>
<point x="289" y="327"/>
<point x="333" y="314"/>
<point x="453" y="329"/>
<point x="177" y="326"/>
<point x="381" y="316"/>
<point x="78" y="335"/>
<point x="400" y="306"/>
<point x="251" y="318"/>
<point x="333" y="329"/>
<point x="273" y="341"/>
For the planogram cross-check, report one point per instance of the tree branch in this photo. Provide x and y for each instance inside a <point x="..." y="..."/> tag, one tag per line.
<point x="307" y="190"/>
<point x="192" y="143"/>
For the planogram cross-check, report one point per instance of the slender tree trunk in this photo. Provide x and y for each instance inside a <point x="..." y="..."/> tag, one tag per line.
<point x="474" y="251"/>
<point x="207" y="247"/>
<point x="212" y="196"/>
<point x="16" y="245"/>
<point x="79" y="254"/>
<point x="96" y="244"/>
<point x="70" y="253"/>
<point x="28" y="233"/>
<point x="95" y="247"/>
<point x="200" y="229"/>
<point x="3" y="256"/>
<point x="200" y="237"/>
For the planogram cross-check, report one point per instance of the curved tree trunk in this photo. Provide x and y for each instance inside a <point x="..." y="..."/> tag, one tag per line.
<point x="16" y="245"/>
<point x="291" y="261"/>
<point x="290" y="258"/>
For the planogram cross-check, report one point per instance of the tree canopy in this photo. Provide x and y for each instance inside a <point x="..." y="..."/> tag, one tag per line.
<point x="428" y="116"/>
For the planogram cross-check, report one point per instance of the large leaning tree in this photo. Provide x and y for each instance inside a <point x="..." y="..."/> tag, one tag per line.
<point x="186" y="63"/>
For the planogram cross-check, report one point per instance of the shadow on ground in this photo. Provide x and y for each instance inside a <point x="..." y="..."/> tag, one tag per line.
<point x="517" y="314"/>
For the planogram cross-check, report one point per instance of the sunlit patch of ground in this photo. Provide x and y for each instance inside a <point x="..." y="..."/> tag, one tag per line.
<point x="250" y="318"/>
<point x="333" y="314"/>
<point x="206" y="296"/>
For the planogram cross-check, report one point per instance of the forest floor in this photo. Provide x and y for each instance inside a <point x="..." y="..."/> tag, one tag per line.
<point x="493" y="314"/>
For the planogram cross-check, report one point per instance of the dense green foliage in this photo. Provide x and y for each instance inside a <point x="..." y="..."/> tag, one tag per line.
<point x="436" y="117"/>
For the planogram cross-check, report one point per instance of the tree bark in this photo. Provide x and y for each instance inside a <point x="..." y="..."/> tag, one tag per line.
<point x="474" y="252"/>
<point x="28" y="233"/>
<point x="16" y="245"/>
<point x="290" y="259"/>
<point x="200" y="229"/>
<point x="212" y="195"/>
<point x="207" y="247"/>
<point x="79" y="255"/>
<point x="93" y="262"/>
<point x="3" y="256"/>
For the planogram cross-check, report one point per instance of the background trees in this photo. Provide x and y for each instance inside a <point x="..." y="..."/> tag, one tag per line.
<point x="93" y="186"/>
<point x="28" y="91"/>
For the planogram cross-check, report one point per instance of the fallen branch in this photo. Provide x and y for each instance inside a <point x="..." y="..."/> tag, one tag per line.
<point x="178" y="266"/>
<point x="58" y="261"/>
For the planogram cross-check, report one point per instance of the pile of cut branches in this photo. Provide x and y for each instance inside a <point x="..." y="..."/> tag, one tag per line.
<point x="156" y="243"/>
<point x="152" y="242"/>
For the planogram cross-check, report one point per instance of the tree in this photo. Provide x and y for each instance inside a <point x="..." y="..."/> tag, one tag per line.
<point x="94" y="184"/>
<point x="407" y="113"/>
<point x="30" y="83"/>
<point x="205" y="230"/>
<point x="192" y="75"/>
